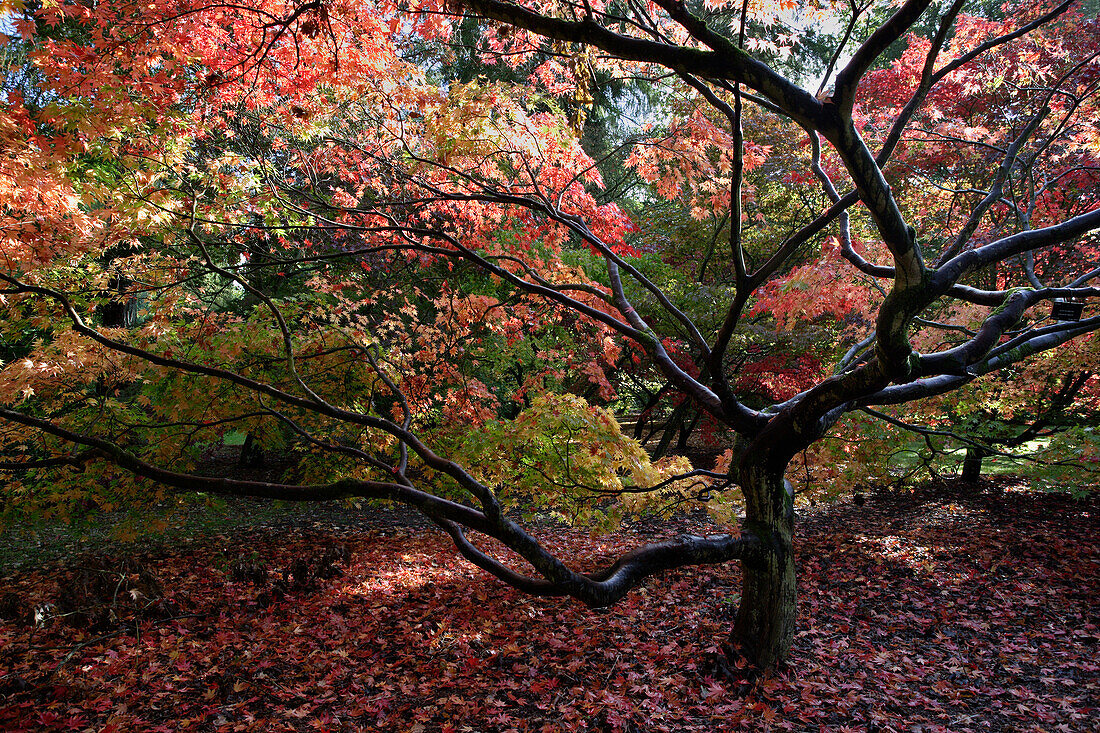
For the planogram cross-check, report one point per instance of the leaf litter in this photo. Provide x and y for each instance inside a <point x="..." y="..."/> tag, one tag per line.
<point x="954" y="607"/>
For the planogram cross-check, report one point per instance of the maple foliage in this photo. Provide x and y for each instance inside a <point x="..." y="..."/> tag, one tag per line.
<point x="375" y="272"/>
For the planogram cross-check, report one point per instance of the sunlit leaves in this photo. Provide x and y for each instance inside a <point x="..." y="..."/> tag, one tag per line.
<point x="568" y="456"/>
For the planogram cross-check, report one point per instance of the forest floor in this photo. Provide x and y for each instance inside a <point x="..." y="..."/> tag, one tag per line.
<point x="949" y="608"/>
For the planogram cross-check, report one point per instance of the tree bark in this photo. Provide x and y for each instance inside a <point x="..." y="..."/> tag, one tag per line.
<point x="120" y="312"/>
<point x="972" y="464"/>
<point x="765" y="624"/>
<point x="764" y="629"/>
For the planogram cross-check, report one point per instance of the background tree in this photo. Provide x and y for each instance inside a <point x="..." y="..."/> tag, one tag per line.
<point x="369" y="164"/>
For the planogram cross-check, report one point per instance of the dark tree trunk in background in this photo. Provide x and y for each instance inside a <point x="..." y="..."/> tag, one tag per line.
<point x="972" y="464"/>
<point x="121" y="311"/>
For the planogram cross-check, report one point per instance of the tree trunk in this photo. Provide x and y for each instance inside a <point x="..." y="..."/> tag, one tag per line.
<point x="120" y="312"/>
<point x="972" y="464"/>
<point x="764" y="629"/>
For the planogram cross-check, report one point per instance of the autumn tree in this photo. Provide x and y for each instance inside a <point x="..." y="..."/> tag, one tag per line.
<point x="944" y="159"/>
<point x="265" y="174"/>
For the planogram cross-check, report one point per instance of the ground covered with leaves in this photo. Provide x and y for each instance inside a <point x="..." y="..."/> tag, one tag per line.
<point x="952" y="608"/>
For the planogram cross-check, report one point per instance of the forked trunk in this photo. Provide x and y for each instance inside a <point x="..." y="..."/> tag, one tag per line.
<point x="764" y="629"/>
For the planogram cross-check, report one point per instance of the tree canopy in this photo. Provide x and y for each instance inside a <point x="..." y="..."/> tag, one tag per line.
<point x="329" y="233"/>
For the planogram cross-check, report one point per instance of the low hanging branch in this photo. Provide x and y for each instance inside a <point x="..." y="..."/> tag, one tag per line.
<point x="408" y="268"/>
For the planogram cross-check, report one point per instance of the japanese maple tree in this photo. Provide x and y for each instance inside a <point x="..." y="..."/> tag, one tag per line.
<point x="261" y="176"/>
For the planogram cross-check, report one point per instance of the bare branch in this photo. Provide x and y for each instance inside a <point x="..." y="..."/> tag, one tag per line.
<point x="847" y="79"/>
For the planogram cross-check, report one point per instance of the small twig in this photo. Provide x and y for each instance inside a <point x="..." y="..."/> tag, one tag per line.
<point x="613" y="668"/>
<point x="85" y="644"/>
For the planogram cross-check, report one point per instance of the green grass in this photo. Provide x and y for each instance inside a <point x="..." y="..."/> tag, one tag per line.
<point x="235" y="438"/>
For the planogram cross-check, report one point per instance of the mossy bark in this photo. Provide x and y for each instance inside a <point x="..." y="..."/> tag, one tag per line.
<point x="765" y="624"/>
<point x="764" y="629"/>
